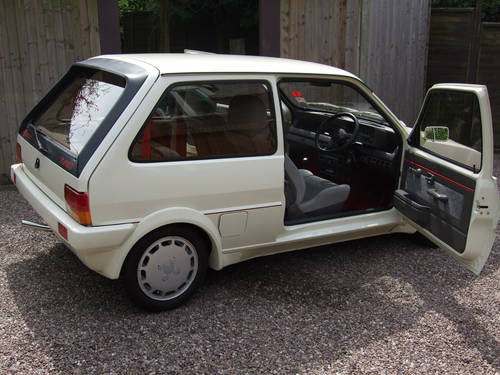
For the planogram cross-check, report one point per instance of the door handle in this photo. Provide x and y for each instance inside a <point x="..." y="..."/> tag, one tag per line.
<point x="416" y="171"/>
<point x="437" y="195"/>
<point x="479" y="206"/>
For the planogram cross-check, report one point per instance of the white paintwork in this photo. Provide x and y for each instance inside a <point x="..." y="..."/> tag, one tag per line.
<point x="183" y="63"/>
<point x="233" y="223"/>
<point x="241" y="197"/>
<point x="453" y="151"/>
<point x="481" y="233"/>
<point x="93" y="245"/>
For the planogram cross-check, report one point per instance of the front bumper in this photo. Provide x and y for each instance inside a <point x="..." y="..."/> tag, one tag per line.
<point x="93" y="245"/>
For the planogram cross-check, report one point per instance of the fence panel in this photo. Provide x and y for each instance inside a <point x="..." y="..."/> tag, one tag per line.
<point x="383" y="41"/>
<point x="450" y="42"/>
<point x="39" y="40"/>
<point x="488" y="71"/>
<point x="393" y="59"/>
<point x="322" y="31"/>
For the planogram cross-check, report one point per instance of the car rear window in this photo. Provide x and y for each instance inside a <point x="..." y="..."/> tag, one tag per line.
<point x="76" y="111"/>
<point x="207" y="120"/>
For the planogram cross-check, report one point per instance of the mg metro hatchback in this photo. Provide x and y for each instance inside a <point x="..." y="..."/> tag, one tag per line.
<point x="153" y="167"/>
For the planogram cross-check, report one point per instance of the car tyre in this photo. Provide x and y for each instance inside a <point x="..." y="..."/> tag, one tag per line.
<point x="165" y="267"/>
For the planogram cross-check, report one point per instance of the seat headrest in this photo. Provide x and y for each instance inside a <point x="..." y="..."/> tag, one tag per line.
<point x="246" y="109"/>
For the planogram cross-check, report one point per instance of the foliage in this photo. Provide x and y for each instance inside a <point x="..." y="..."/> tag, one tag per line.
<point x="126" y="6"/>
<point x="453" y="3"/>
<point x="491" y="8"/>
<point x="187" y="10"/>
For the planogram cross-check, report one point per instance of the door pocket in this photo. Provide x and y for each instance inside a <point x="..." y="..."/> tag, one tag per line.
<point x="415" y="211"/>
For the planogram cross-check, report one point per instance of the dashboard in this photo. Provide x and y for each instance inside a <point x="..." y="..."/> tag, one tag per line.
<point x="375" y="145"/>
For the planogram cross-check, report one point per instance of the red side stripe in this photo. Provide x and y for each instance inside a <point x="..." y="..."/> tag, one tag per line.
<point x="440" y="175"/>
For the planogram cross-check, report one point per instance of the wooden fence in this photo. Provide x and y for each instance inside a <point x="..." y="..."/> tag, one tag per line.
<point x="38" y="42"/>
<point x="488" y="71"/>
<point x="384" y="42"/>
<point x="459" y="52"/>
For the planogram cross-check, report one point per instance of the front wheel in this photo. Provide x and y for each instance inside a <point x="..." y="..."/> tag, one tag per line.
<point x="165" y="267"/>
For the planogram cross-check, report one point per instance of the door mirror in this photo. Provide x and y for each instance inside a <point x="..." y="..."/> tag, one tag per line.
<point x="437" y="133"/>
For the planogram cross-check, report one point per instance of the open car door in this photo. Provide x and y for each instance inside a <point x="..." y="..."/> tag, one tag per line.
<point x="447" y="190"/>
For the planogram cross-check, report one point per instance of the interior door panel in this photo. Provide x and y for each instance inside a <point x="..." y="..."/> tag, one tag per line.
<point x="447" y="190"/>
<point x="439" y="199"/>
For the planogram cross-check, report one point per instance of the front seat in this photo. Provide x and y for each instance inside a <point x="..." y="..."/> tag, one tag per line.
<point x="249" y="128"/>
<point x="308" y="195"/>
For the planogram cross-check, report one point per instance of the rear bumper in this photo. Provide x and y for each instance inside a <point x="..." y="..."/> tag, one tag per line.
<point x="93" y="245"/>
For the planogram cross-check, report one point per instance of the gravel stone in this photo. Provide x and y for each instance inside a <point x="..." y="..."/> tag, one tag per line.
<point x="382" y="305"/>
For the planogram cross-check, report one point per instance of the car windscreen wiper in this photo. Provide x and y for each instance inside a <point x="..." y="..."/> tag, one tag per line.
<point x="35" y="131"/>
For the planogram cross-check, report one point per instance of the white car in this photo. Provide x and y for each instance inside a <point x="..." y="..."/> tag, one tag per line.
<point x="153" y="167"/>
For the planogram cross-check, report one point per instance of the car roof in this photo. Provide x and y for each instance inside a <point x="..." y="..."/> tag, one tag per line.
<point x="176" y="63"/>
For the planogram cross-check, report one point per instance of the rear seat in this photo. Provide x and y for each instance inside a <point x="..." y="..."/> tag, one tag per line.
<point x="246" y="132"/>
<point x="208" y="133"/>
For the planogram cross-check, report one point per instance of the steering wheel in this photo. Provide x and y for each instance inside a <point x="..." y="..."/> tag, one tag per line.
<point x="340" y="138"/>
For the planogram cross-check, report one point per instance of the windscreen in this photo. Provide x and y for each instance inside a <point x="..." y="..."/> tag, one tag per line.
<point x="75" y="113"/>
<point x="328" y="96"/>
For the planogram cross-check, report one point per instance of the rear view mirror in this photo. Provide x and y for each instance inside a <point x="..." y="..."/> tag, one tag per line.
<point x="436" y="133"/>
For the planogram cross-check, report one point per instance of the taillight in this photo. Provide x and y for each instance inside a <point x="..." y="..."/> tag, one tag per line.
<point x="78" y="205"/>
<point x="19" y="154"/>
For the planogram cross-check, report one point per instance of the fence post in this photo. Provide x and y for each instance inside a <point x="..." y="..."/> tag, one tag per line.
<point x="475" y="41"/>
<point x="269" y="28"/>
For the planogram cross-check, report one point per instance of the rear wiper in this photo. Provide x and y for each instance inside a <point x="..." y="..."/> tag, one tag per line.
<point x="35" y="131"/>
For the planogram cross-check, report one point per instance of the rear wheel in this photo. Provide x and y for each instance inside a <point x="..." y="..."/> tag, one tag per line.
<point x="165" y="267"/>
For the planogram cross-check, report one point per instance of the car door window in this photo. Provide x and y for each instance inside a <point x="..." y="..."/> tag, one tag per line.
<point x="208" y="120"/>
<point x="450" y="127"/>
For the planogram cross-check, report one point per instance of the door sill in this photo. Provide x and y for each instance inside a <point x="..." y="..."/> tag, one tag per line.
<point x="313" y="219"/>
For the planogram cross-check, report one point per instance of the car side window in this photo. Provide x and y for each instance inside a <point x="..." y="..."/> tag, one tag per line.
<point x="208" y="120"/>
<point x="450" y="127"/>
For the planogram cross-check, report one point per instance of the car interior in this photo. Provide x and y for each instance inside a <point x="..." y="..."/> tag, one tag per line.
<point x="341" y="153"/>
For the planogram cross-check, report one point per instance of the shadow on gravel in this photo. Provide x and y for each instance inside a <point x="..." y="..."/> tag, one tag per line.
<point x="288" y="312"/>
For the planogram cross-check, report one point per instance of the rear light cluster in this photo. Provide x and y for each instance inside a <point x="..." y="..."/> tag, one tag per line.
<point x="77" y="205"/>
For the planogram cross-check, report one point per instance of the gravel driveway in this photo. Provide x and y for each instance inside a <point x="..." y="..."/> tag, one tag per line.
<point x="379" y="305"/>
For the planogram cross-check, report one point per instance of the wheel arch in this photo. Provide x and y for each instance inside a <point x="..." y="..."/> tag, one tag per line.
<point x="165" y="218"/>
